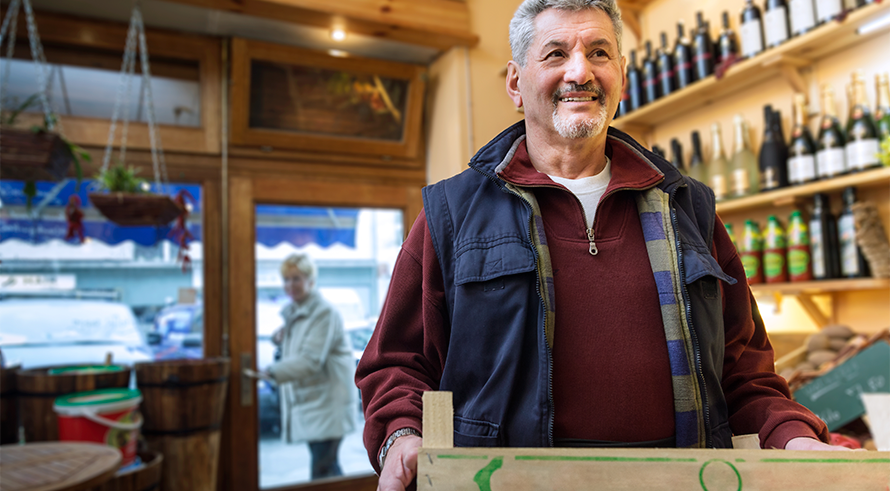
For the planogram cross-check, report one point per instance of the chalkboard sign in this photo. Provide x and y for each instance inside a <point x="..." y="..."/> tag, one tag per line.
<point x="834" y="397"/>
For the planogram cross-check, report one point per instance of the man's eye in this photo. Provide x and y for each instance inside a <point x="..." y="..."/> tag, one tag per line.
<point x="554" y="54"/>
<point x="600" y="53"/>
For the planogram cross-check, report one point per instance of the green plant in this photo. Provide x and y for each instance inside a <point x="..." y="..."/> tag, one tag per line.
<point x="120" y="178"/>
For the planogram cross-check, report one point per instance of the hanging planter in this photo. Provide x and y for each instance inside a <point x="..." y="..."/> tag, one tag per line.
<point x="126" y="200"/>
<point x="39" y="153"/>
<point x="28" y="155"/>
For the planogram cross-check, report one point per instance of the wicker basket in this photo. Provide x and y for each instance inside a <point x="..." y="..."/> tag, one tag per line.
<point x="871" y="238"/>
<point x="29" y="156"/>
<point x="136" y="209"/>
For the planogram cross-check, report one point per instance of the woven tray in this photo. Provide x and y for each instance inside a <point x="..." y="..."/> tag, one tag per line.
<point x="136" y="209"/>
<point x="29" y="156"/>
<point x="871" y="238"/>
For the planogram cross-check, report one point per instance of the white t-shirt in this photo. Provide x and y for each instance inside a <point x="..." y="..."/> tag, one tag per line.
<point x="588" y="190"/>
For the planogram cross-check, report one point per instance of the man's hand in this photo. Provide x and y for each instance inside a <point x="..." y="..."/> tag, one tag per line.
<point x="805" y="443"/>
<point x="400" y="466"/>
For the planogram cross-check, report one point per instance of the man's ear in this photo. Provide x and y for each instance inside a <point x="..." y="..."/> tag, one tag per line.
<point x="513" y="83"/>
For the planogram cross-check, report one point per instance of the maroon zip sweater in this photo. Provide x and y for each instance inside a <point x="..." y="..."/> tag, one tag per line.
<point x="611" y="374"/>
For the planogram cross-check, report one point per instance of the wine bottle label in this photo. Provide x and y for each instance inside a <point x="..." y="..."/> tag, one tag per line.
<point x="831" y="162"/>
<point x="827" y="9"/>
<point x="718" y="185"/>
<point x="849" y="257"/>
<point x="776" y="26"/>
<point x="798" y="261"/>
<point x="801" y="168"/>
<point x="862" y="154"/>
<point x="707" y="56"/>
<point x="740" y="182"/>
<point x="752" y="38"/>
<point x="773" y="264"/>
<point x="803" y="17"/>
<point x="751" y="263"/>
<point x="817" y="249"/>
<point x="769" y="179"/>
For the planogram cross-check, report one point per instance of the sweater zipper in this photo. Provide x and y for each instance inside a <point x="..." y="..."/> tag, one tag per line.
<point x="592" y="249"/>
<point x="688" y="308"/>
<point x="528" y="206"/>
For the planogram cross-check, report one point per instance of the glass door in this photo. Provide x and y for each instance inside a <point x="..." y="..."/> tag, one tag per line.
<point x="321" y="276"/>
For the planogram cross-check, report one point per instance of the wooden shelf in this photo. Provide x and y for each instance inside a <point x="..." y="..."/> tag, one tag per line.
<point x="782" y="61"/>
<point x="824" y="286"/>
<point x="788" y="196"/>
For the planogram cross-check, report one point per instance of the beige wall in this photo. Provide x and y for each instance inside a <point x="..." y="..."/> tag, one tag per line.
<point x="470" y="107"/>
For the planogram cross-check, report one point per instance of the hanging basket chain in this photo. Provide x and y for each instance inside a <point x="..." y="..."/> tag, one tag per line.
<point x="129" y="53"/>
<point x="136" y="33"/>
<point x="42" y="69"/>
<point x="9" y="29"/>
<point x="10" y="25"/>
<point x="157" y="150"/>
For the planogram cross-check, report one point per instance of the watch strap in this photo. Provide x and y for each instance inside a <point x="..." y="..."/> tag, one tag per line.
<point x="392" y="439"/>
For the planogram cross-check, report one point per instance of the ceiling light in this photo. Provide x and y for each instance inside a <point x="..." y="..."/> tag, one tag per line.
<point x="338" y="34"/>
<point x="338" y="53"/>
<point x="874" y="25"/>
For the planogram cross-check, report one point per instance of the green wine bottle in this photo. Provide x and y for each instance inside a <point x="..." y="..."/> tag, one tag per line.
<point x="862" y="133"/>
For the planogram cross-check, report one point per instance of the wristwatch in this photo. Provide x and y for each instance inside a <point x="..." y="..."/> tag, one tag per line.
<point x="392" y="439"/>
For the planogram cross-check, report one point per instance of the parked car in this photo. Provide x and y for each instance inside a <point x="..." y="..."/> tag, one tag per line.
<point x="178" y="333"/>
<point x="47" y="332"/>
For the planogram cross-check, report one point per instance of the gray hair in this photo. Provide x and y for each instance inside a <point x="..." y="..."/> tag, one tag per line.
<point x="302" y="263"/>
<point x="522" y="27"/>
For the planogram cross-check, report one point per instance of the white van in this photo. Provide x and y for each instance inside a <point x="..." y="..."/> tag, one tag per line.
<point x="44" y="332"/>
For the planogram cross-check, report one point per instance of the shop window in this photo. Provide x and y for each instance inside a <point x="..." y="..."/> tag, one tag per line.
<point x="355" y="251"/>
<point x="123" y="291"/>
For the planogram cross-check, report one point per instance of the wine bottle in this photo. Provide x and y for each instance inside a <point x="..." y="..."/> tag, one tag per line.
<point x="824" y="240"/>
<point x="665" y="67"/>
<point x="635" y="83"/>
<point x="727" y="43"/>
<point x="828" y="10"/>
<point x="773" y="158"/>
<point x="677" y="155"/>
<point x="802" y="148"/>
<point x="745" y="177"/>
<point x="803" y="16"/>
<point x="623" y="104"/>
<point x="651" y="86"/>
<point x="853" y="263"/>
<point x="862" y="134"/>
<point x="683" y="69"/>
<point x="775" y="23"/>
<point x="752" y="30"/>
<point x="882" y="112"/>
<point x="719" y="168"/>
<point x="831" y="158"/>
<point x="697" y="169"/>
<point x="702" y="49"/>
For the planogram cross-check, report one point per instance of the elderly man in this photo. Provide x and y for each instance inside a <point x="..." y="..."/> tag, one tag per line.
<point x="572" y="288"/>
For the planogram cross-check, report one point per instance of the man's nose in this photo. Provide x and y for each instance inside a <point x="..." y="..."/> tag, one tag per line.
<point x="578" y="70"/>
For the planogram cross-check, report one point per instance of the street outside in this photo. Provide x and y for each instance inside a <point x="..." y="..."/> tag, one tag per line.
<point x="283" y="464"/>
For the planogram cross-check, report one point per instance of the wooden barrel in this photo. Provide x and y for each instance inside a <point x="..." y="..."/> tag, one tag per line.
<point x="9" y="407"/>
<point x="146" y="477"/>
<point x="182" y="410"/>
<point x="38" y="389"/>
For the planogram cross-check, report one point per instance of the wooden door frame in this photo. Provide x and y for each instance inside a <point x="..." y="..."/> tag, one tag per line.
<point x="239" y="462"/>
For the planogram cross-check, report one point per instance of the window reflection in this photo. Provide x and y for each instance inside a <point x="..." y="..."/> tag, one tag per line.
<point x="354" y="250"/>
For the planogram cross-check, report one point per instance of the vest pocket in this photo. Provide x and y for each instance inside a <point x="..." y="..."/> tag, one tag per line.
<point x="484" y="261"/>
<point x="697" y="265"/>
<point x="475" y="433"/>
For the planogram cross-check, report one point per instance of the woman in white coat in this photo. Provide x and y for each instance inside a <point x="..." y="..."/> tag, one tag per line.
<point x="316" y="370"/>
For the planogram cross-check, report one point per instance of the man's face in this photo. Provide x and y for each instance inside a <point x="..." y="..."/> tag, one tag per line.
<point x="574" y="74"/>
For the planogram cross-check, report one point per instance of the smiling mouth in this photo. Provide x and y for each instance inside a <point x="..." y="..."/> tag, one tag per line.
<point x="577" y="99"/>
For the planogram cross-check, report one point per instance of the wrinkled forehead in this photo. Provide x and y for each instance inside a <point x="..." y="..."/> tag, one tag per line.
<point x="555" y="26"/>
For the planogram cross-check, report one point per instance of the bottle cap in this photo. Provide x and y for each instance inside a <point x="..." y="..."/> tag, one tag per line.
<point x="795" y="214"/>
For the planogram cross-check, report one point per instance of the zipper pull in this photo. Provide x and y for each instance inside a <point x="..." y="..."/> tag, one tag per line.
<point x="593" y="250"/>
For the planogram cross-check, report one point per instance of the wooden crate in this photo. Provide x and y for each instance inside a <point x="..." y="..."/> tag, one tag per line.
<point x="527" y="469"/>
